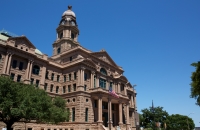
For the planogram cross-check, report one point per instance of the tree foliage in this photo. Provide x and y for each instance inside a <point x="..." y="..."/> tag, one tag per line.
<point x="179" y="122"/>
<point x="148" y="118"/>
<point x="20" y="101"/>
<point x="195" y="84"/>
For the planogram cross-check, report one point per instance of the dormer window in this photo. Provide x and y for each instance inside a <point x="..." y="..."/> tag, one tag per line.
<point x="58" y="50"/>
<point x="72" y="36"/>
<point x="61" y="35"/>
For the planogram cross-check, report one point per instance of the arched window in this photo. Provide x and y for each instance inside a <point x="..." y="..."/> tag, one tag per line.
<point x="72" y="36"/>
<point x="61" y="35"/>
<point x="58" y="50"/>
<point x="36" y="69"/>
<point x="57" y="88"/>
<point x="103" y="71"/>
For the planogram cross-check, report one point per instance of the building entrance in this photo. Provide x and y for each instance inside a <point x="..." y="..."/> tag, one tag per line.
<point x="105" y="119"/>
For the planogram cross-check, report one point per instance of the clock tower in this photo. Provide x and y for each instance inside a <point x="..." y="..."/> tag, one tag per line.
<point x="67" y="33"/>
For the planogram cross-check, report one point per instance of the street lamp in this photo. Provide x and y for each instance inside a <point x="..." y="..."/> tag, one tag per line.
<point x="187" y="120"/>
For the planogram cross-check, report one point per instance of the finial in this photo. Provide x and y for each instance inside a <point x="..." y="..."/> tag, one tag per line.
<point x="69" y="7"/>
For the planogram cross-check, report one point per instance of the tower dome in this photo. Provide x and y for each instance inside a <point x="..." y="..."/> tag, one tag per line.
<point x="69" y="12"/>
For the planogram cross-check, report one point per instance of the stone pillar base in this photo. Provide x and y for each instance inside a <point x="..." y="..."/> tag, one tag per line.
<point x="5" y="75"/>
<point x="80" y="88"/>
<point x="128" y="127"/>
<point x="27" y="81"/>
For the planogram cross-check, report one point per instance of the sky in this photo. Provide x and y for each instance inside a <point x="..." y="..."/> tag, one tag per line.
<point x="154" y="41"/>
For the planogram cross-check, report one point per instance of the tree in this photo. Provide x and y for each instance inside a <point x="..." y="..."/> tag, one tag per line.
<point x="25" y="102"/>
<point x="195" y="84"/>
<point x="148" y="118"/>
<point x="179" y="122"/>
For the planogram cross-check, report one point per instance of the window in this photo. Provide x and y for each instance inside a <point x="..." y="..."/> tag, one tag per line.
<point x="73" y="100"/>
<point x="95" y="103"/>
<point x="36" y="69"/>
<point x="70" y="77"/>
<point x="58" y="50"/>
<point x="69" y="88"/>
<point x="68" y="116"/>
<point x="103" y="71"/>
<point x="74" y="87"/>
<point x="21" y="65"/>
<point x="122" y="87"/>
<point x="29" y="128"/>
<point x="19" y="78"/>
<point x="0" y="57"/>
<point x="104" y="105"/>
<point x="102" y="83"/>
<point x="86" y="100"/>
<point x="94" y="81"/>
<point x="64" y="89"/>
<point x="58" y="78"/>
<point x="73" y="114"/>
<point x="113" y="107"/>
<point x="14" y="64"/>
<point x="86" y="114"/>
<point x="45" y="86"/>
<point x="72" y="36"/>
<point x="52" y="76"/>
<point x="57" y="88"/>
<point x="111" y="84"/>
<point x="74" y="75"/>
<point x="85" y="87"/>
<point x="32" y="80"/>
<point x="46" y="75"/>
<point x="61" y="35"/>
<point x="70" y="58"/>
<point x="51" y="89"/>
<point x="37" y="83"/>
<point x="85" y="76"/>
<point x="65" y="78"/>
<point x="12" y="76"/>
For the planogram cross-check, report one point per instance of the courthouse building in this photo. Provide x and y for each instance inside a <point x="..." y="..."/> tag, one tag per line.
<point x="76" y="74"/>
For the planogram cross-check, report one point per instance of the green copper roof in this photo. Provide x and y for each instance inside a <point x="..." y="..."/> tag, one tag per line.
<point x="2" y="37"/>
<point x="38" y="52"/>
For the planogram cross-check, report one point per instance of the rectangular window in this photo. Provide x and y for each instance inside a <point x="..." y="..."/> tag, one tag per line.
<point x="111" y="84"/>
<point x="122" y="87"/>
<point x="12" y="76"/>
<point x="86" y="114"/>
<point x="45" y="86"/>
<point x="65" y="78"/>
<point x="85" y="76"/>
<point x="104" y="105"/>
<point x="19" y="78"/>
<point x="58" y="78"/>
<point x="37" y="83"/>
<point x="85" y="87"/>
<point x="113" y="107"/>
<point x="74" y="87"/>
<point x="102" y="83"/>
<point x="70" y="58"/>
<point x="21" y="65"/>
<point x="14" y="64"/>
<point x="70" y="77"/>
<point x="64" y="89"/>
<point x="29" y="128"/>
<point x="51" y="89"/>
<point x="95" y="103"/>
<point x="52" y="76"/>
<point x="46" y="75"/>
<point x="32" y="80"/>
<point x="74" y="75"/>
<point x="69" y="88"/>
<point x="73" y="114"/>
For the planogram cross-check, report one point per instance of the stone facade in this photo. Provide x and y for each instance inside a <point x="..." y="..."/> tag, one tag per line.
<point x="78" y="75"/>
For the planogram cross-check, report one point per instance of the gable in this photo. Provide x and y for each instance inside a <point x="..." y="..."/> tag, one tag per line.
<point x="104" y="56"/>
<point x="22" y="41"/>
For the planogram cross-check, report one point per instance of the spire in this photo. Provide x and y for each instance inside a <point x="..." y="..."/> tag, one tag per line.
<point x="69" y="7"/>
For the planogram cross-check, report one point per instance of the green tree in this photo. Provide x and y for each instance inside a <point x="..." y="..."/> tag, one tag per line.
<point x="179" y="122"/>
<point x="195" y="84"/>
<point x="149" y="117"/>
<point x="25" y="102"/>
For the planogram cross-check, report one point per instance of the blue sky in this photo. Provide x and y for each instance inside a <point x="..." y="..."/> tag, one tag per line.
<point x="155" y="41"/>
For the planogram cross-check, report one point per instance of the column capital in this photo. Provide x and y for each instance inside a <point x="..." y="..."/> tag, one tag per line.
<point x="82" y="68"/>
<point x="92" y="72"/>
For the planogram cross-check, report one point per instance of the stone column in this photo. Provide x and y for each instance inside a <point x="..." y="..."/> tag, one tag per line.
<point x="26" y="81"/>
<point x="83" y="76"/>
<point x="30" y="70"/>
<point x="8" y="65"/>
<point x="97" y="81"/>
<point x="110" y="112"/>
<point x="132" y="105"/>
<point x="120" y="113"/>
<point x="92" y="79"/>
<point x="79" y="77"/>
<point x="100" y="110"/>
<point x="5" y="63"/>
<point x="127" y="116"/>
<point x="43" y="77"/>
